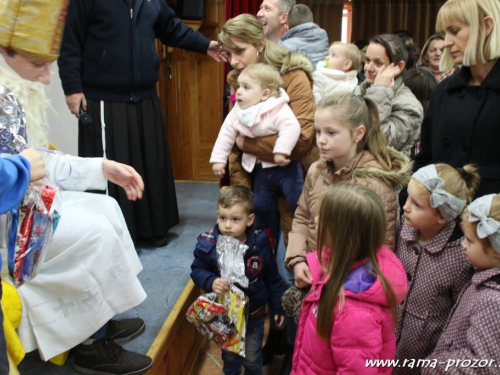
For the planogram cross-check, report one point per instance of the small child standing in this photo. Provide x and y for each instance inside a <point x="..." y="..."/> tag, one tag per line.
<point x="235" y="218"/>
<point x="261" y="109"/>
<point x="349" y="315"/>
<point x="470" y="342"/>
<point x="429" y="245"/>
<point x="338" y="72"/>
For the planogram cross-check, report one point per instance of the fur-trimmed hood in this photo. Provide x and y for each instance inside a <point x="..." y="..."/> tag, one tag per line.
<point x="365" y="166"/>
<point x="296" y="60"/>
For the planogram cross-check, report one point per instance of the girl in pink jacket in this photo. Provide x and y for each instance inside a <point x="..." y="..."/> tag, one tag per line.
<point x="348" y="317"/>
<point x="262" y="109"/>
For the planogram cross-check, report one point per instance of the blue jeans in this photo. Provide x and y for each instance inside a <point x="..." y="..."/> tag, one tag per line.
<point x="4" y="362"/>
<point x="253" y="351"/>
<point x="269" y="181"/>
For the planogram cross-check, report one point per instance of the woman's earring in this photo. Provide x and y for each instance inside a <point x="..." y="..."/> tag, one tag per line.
<point x="258" y="54"/>
<point x="357" y="140"/>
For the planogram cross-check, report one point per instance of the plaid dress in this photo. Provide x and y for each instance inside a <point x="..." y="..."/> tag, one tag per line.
<point x="472" y="331"/>
<point x="436" y="274"/>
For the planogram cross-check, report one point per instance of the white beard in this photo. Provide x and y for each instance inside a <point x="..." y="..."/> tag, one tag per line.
<point x="32" y="97"/>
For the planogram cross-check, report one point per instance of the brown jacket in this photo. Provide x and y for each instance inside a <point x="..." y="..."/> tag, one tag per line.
<point x="363" y="169"/>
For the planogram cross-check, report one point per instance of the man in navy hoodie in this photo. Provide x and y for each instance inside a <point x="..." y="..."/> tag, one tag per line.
<point x="109" y="67"/>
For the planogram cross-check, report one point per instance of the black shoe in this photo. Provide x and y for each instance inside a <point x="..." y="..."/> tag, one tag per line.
<point x="125" y="330"/>
<point x="104" y="357"/>
<point x="152" y="242"/>
<point x="286" y="368"/>
<point x="275" y="345"/>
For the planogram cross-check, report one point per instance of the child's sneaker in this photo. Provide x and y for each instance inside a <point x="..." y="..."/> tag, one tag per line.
<point x="125" y="330"/>
<point x="105" y="357"/>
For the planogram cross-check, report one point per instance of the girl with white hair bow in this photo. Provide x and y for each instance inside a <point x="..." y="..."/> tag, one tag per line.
<point x="472" y="331"/>
<point x="429" y="245"/>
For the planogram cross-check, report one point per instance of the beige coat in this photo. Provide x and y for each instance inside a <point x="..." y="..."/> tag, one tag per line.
<point x="363" y="169"/>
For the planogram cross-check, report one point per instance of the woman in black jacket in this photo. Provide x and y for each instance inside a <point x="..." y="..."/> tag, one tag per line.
<point x="462" y="123"/>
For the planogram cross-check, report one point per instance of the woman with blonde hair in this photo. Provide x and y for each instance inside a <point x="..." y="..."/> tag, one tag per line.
<point x="461" y="123"/>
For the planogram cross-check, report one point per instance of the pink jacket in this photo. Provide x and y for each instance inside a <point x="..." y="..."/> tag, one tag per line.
<point x="274" y="117"/>
<point x="363" y="330"/>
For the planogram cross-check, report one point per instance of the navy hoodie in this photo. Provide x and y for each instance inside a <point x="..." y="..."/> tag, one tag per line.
<point x="108" y="48"/>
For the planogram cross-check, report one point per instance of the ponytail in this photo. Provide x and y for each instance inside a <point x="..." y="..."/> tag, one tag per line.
<point x="374" y="140"/>
<point x="459" y="182"/>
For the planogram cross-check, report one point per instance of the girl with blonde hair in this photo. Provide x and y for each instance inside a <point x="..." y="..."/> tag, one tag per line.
<point x="429" y="245"/>
<point x="355" y="279"/>
<point x="353" y="149"/>
<point x="472" y="326"/>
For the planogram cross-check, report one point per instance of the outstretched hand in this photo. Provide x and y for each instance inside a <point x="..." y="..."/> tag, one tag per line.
<point x="215" y="52"/>
<point x="124" y="176"/>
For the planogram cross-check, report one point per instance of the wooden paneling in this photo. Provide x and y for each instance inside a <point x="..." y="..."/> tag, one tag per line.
<point x="178" y="344"/>
<point x="191" y="89"/>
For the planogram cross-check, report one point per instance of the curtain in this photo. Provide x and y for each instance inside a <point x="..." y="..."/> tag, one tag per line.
<point x="373" y="17"/>
<point x="236" y="7"/>
<point x="328" y="15"/>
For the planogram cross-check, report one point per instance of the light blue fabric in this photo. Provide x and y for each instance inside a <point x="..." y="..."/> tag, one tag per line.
<point x="309" y="39"/>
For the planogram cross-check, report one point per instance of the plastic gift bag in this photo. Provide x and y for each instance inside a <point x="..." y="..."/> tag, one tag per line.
<point x="222" y="318"/>
<point x="30" y="228"/>
<point x="230" y="253"/>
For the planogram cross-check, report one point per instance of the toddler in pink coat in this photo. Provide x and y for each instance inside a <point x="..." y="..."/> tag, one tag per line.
<point x="262" y="109"/>
<point x="349" y="315"/>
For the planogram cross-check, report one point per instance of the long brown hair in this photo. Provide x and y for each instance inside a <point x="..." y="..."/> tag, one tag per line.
<point x="352" y="224"/>
<point x="354" y="110"/>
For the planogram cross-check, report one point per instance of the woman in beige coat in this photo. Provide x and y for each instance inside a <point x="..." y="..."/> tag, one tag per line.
<point x="353" y="149"/>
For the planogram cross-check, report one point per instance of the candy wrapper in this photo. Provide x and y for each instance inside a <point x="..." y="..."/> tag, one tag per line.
<point x="12" y="123"/>
<point x="222" y="318"/>
<point x="30" y="229"/>
<point x="230" y="253"/>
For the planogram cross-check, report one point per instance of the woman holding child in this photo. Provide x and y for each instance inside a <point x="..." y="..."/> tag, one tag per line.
<point x="461" y="123"/>
<point x="400" y="112"/>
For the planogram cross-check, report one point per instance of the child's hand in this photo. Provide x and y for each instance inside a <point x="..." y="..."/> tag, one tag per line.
<point x="302" y="275"/>
<point x="281" y="159"/>
<point x="220" y="286"/>
<point x="279" y="320"/>
<point x="219" y="169"/>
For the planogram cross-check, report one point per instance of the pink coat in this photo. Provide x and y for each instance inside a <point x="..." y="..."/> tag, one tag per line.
<point x="363" y="330"/>
<point x="274" y="117"/>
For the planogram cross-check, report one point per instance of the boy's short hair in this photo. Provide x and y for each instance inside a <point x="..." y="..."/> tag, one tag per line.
<point x="299" y="14"/>
<point x="237" y="194"/>
<point x="352" y="53"/>
<point x="268" y="77"/>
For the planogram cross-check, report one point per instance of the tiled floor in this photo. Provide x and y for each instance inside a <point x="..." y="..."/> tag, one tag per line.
<point x="211" y="361"/>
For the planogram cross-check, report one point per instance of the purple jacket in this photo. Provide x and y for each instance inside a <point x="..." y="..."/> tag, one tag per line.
<point x="363" y="330"/>
<point x="472" y="331"/>
<point x="436" y="274"/>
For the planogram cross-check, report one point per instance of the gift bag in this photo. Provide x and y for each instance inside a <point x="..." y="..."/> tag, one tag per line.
<point x="223" y="318"/>
<point x="29" y="226"/>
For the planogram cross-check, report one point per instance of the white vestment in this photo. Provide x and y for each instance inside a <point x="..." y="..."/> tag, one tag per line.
<point x="89" y="273"/>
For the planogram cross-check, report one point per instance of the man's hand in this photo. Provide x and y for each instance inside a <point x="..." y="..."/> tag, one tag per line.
<point x="239" y="141"/>
<point x="215" y="52"/>
<point x="75" y="101"/>
<point x="37" y="170"/>
<point x="220" y="286"/>
<point x="124" y="176"/>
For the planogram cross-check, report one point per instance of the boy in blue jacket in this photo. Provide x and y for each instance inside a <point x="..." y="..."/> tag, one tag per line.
<point x="235" y="217"/>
